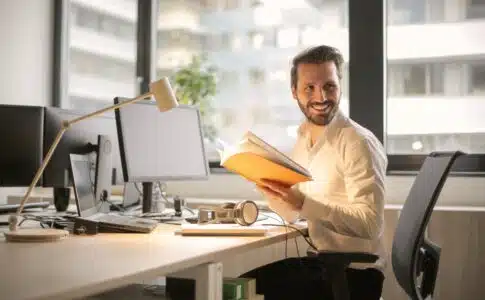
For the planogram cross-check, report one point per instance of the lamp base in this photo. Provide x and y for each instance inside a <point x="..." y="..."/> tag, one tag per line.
<point x="29" y="235"/>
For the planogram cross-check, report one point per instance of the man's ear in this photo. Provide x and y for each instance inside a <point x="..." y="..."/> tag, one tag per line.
<point x="293" y="92"/>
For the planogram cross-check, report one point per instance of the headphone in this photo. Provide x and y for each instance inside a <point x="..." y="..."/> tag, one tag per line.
<point x="243" y="213"/>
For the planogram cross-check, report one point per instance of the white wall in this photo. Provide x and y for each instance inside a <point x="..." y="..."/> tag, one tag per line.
<point x="26" y="33"/>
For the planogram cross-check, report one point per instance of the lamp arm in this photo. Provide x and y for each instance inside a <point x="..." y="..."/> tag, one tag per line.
<point x="113" y="107"/>
<point x="13" y="220"/>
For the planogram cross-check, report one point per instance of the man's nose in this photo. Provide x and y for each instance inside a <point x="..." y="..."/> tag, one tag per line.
<point x="320" y="95"/>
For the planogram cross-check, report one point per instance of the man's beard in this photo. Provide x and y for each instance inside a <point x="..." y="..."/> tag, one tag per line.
<point x="322" y="118"/>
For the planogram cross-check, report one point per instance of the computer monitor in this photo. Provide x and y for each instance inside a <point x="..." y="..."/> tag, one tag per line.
<point x="21" y="139"/>
<point x="160" y="146"/>
<point x="80" y="138"/>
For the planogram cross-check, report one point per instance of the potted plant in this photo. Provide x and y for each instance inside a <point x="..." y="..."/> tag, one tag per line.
<point x="195" y="84"/>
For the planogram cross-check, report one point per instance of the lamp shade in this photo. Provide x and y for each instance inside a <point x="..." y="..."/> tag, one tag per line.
<point x="162" y="91"/>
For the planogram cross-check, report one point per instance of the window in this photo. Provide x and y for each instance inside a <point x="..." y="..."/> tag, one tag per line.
<point x="428" y="106"/>
<point x="251" y="44"/>
<point x="256" y="76"/>
<point x="256" y="39"/>
<point x="477" y="79"/>
<point x="475" y="9"/>
<point x="406" y="12"/>
<point x="416" y="79"/>
<point x="102" y="54"/>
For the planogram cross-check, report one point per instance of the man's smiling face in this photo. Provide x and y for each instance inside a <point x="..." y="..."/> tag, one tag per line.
<point x="318" y="91"/>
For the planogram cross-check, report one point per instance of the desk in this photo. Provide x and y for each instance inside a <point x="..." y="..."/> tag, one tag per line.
<point x="80" y="266"/>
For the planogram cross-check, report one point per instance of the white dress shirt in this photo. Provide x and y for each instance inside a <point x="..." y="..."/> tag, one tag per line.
<point x="344" y="203"/>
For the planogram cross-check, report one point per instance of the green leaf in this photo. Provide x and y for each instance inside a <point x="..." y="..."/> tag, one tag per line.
<point x="196" y="84"/>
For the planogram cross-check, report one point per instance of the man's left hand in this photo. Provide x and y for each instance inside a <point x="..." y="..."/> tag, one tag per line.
<point x="277" y="190"/>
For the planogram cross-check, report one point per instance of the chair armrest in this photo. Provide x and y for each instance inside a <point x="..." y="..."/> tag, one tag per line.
<point x="342" y="258"/>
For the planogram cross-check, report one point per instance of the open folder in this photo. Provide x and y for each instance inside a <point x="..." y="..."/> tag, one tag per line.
<point x="254" y="159"/>
<point x="222" y="230"/>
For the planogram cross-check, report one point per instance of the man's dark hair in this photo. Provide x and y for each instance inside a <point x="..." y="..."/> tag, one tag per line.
<point x="316" y="55"/>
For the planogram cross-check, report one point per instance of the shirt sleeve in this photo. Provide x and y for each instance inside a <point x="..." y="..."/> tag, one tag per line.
<point x="364" y="167"/>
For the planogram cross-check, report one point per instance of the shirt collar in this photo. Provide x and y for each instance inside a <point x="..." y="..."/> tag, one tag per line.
<point x="327" y="131"/>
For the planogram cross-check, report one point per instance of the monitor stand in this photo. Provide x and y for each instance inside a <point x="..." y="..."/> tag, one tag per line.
<point x="147" y="197"/>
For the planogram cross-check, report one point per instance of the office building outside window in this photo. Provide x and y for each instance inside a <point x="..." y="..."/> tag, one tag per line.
<point x="251" y="44"/>
<point x="436" y="76"/>
<point x="101" y="53"/>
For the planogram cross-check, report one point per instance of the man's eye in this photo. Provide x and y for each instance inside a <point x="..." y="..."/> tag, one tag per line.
<point x="309" y="88"/>
<point x="330" y="87"/>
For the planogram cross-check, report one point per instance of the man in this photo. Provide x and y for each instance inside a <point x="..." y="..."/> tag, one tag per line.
<point x="344" y="202"/>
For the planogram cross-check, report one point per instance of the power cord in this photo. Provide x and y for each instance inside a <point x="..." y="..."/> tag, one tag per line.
<point x="299" y="231"/>
<point x="307" y="239"/>
<point x="282" y="224"/>
<point x="44" y="221"/>
<point x="117" y="206"/>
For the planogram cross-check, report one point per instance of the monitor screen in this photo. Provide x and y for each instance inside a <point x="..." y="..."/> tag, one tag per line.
<point x="81" y="173"/>
<point x="161" y="146"/>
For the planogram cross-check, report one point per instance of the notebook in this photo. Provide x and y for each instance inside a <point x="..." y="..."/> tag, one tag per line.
<point x="222" y="230"/>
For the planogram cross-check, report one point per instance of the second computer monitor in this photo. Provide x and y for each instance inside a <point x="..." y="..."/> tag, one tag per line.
<point x="160" y="146"/>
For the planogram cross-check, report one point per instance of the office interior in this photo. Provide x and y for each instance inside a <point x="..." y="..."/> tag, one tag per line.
<point x="414" y="75"/>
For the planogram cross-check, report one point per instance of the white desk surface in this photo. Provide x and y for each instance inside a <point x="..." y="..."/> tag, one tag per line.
<point x="84" y="265"/>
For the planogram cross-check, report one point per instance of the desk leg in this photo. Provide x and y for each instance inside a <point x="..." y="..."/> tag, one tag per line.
<point x="208" y="280"/>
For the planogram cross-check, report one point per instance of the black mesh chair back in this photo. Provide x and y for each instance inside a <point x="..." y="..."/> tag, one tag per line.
<point x="412" y="254"/>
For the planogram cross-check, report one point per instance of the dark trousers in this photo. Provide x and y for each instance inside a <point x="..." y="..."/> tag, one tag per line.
<point x="305" y="278"/>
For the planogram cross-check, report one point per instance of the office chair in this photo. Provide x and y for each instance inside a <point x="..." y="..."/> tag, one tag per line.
<point x="413" y="255"/>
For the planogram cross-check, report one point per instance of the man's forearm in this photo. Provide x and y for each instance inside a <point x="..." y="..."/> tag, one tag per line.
<point x="357" y="218"/>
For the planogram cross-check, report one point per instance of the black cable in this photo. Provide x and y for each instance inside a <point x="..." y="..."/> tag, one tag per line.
<point x="299" y="231"/>
<point x="118" y="207"/>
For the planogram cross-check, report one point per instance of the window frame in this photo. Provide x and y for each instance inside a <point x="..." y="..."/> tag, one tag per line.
<point x="368" y="72"/>
<point x="145" y="43"/>
<point x="367" y="27"/>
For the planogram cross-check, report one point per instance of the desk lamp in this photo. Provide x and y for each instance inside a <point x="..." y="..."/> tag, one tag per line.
<point x="165" y="99"/>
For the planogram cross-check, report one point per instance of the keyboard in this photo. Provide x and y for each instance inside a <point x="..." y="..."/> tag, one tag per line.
<point x="123" y="223"/>
<point x="12" y="208"/>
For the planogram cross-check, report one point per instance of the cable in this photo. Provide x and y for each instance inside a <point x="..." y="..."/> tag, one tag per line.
<point x="118" y="207"/>
<point x="190" y="210"/>
<point x="44" y="221"/>
<point x="286" y="230"/>
<point x="299" y="231"/>
<point x="138" y="189"/>
<point x="162" y="191"/>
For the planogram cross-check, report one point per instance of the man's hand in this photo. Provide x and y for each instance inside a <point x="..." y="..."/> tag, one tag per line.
<point x="278" y="191"/>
